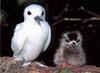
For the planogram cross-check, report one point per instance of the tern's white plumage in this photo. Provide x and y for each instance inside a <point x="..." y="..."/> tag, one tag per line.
<point x="32" y="36"/>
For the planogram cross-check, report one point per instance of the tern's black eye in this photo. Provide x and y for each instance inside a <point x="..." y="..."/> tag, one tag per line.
<point x="29" y="13"/>
<point x="42" y="13"/>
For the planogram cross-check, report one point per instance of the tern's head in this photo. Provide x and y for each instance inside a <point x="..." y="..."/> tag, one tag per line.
<point x="34" y="12"/>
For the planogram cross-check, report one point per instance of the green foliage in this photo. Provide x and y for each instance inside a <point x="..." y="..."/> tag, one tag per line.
<point x="65" y="70"/>
<point x="35" y="0"/>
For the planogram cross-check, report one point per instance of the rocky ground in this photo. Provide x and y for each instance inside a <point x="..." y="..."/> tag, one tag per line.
<point x="9" y="65"/>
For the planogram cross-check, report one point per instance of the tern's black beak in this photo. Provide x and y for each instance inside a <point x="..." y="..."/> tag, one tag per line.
<point x="38" y="19"/>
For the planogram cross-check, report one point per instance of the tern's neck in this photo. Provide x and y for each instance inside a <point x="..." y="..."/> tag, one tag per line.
<point x="29" y="20"/>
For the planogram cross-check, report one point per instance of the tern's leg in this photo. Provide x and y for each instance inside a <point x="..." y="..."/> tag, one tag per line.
<point x="39" y="64"/>
<point x="26" y="63"/>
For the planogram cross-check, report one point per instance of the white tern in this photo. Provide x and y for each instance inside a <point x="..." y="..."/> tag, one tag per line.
<point x="32" y="36"/>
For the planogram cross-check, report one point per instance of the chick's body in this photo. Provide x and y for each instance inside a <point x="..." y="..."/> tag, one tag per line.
<point x="70" y="50"/>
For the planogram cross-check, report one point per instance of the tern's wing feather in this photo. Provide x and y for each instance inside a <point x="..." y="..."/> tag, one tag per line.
<point x="17" y="45"/>
<point x="48" y="40"/>
<point x="18" y="27"/>
<point x="18" y="40"/>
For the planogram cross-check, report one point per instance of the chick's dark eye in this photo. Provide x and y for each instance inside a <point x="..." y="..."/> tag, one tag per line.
<point x="42" y="13"/>
<point x="29" y="13"/>
<point x="77" y="40"/>
<point x="67" y="40"/>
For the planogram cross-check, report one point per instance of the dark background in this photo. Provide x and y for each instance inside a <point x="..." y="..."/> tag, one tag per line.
<point x="90" y="30"/>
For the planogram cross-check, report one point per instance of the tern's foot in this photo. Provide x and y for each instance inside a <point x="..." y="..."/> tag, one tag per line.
<point x="26" y="63"/>
<point x="40" y="64"/>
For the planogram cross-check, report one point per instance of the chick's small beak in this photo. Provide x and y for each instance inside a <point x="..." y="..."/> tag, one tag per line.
<point x="73" y="44"/>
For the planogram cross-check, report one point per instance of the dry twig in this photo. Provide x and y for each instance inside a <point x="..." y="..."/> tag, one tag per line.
<point x="77" y="19"/>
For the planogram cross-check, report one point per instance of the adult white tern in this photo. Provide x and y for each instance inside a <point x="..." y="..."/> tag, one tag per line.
<point x="32" y="36"/>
